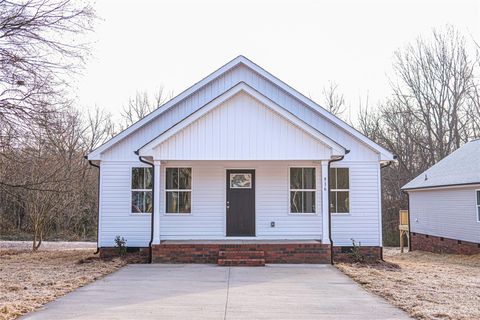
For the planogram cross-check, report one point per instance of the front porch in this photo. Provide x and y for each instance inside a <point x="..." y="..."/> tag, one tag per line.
<point x="241" y="252"/>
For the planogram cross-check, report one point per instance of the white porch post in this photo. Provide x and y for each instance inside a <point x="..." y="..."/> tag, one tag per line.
<point x="156" y="202"/>
<point x="325" y="203"/>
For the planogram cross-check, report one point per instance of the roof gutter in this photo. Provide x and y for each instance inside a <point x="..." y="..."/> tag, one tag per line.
<point x="329" y="208"/>
<point x="98" y="203"/>
<point x="150" y="257"/>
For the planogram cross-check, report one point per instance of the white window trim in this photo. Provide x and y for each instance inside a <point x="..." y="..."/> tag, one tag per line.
<point x="477" y="205"/>
<point x="290" y="192"/>
<point x="165" y="190"/>
<point x="132" y="190"/>
<point x="344" y="190"/>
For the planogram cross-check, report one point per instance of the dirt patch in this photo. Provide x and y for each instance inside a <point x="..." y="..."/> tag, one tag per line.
<point x="31" y="279"/>
<point x="426" y="285"/>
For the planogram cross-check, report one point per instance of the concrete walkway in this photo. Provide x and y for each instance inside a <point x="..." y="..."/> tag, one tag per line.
<point x="212" y="292"/>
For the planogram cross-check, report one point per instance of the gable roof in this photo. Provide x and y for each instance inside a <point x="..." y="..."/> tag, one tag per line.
<point x="337" y="149"/>
<point x="384" y="154"/>
<point x="461" y="167"/>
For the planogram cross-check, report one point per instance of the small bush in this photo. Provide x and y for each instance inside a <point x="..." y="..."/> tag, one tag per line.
<point x="355" y="254"/>
<point x="121" y="245"/>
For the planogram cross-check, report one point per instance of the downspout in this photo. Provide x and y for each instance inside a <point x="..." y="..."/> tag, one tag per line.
<point x="329" y="208"/>
<point x="388" y="164"/>
<point x="98" y="203"/>
<point x="150" y="257"/>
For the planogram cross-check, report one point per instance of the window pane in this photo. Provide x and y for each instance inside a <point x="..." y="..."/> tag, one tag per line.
<point x="172" y="178"/>
<point x="478" y="198"/>
<point x="137" y="178"/>
<point x="295" y="178"/>
<point x="295" y="201"/>
<point x="308" y="201"/>
<point x="332" y="178"/>
<point x="147" y="178"/>
<point x="184" y="202"/>
<point x="342" y="178"/>
<point x="333" y="201"/>
<point x="185" y="178"/>
<point x="172" y="202"/>
<point x="141" y="202"/>
<point x="343" y="201"/>
<point x="309" y="178"/>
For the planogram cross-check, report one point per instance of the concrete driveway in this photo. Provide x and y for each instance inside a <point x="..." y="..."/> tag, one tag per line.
<point x="212" y="292"/>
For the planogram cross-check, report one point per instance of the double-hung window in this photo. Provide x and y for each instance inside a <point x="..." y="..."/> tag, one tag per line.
<point x="142" y="190"/>
<point x="178" y="190"/>
<point x="339" y="190"/>
<point x="302" y="190"/>
<point x="478" y="205"/>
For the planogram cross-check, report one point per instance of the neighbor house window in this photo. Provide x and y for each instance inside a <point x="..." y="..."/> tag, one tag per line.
<point x="478" y="205"/>
<point x="302" y="190"/>
<point x="142" y="190"/>
<point x="178" y="190"/>
<point x="339" y="190"/>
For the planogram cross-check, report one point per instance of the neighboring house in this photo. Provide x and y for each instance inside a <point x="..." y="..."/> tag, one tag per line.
<point x="240" y="160"/>
<point x="444" y="204"/>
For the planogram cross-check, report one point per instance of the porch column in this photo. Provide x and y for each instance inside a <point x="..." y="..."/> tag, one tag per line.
<point x="156" y="202"/>
<point x="325" y="203"/>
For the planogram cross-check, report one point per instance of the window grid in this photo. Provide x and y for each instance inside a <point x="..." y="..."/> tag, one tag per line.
<point x="335" y="191"/>
<point x="477" y="192"/>
<point x="143" y="190"/>
<point x="301" y="190"/>
<point x="178" y="191"/>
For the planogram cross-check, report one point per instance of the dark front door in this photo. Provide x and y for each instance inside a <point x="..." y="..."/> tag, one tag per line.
<point x="240" y="202"/>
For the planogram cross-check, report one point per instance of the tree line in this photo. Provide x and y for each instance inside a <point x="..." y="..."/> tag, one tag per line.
<point x="49" y="191"/>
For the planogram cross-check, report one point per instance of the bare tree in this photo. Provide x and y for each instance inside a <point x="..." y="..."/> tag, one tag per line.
<point x="433" y="110"/>
<point x="143" y="104"/>
<point x="333" y="99"/>
<point x="39" y="49"/>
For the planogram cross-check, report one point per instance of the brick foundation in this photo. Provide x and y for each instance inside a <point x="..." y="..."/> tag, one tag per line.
<point x="344" y="254"/>
<point x="436" y="244"/>
<point x="274" y="252"/>
<point x="113" y="252"/>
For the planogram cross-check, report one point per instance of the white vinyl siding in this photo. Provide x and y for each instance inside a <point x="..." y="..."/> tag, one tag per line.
<point x="115" y="205"/>
<point x="446" y="212"/>
<point x="363" y="221"/>
<point x="208" y="218"/>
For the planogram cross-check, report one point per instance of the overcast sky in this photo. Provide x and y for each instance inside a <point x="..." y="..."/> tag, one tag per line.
<point x="141" y="45"/>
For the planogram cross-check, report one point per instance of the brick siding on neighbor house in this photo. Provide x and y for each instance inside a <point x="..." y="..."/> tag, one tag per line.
<point x="436" y="244"/>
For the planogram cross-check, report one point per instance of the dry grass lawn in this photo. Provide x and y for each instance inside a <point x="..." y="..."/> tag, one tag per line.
<point x="29" y="280"/>
<point x="426" y="285"/>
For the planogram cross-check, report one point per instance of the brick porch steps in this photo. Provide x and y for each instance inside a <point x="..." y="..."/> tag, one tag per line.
<point x="231" y="257"/>
<point x="241" y="262"/>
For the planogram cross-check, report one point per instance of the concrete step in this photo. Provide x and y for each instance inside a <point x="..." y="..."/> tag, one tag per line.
<point x="241" y="254"/>
<point x="241" y="262"/>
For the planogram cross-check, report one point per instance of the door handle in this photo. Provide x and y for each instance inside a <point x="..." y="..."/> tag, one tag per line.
<point x="228" y="204"/>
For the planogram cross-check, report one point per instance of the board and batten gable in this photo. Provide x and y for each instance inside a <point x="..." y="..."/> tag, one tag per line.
<point x="241" y="129"/>
<point x="449" y="212"/>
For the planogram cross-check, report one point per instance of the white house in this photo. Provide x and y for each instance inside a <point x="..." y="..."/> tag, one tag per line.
<point x="444" y="204"/>
<point x="240" y="160"/>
